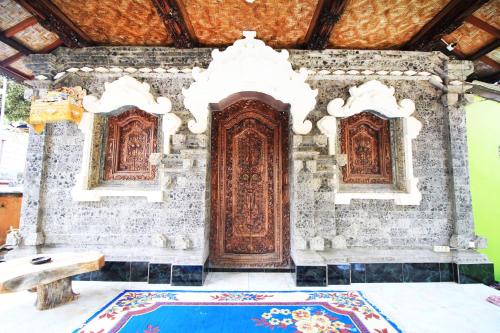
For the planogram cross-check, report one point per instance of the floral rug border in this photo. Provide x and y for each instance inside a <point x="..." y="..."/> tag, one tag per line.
<point x="227" y="297"/>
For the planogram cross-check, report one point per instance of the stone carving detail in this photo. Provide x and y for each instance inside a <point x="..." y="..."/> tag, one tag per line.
<point x="265" y="70"/>
<point x="249" y="202"/>
<point x="127" y="91"/>
<point x="132" y="138"/>
<point x="365" y="138"/>
<point x="14" y="237"/>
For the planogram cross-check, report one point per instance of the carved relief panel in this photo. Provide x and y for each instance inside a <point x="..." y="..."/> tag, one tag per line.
<point x="132" y="137"/>
<point x="249" y="195"/>
<point x="365" y="139"/>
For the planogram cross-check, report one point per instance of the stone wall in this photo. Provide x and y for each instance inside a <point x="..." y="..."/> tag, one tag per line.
<point x="118" y="224"/>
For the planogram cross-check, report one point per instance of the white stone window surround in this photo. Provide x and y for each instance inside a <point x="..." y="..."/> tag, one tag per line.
<point x="125" y="91"/>
<point x="375" y="96"/>
<point x="249" y="65"/>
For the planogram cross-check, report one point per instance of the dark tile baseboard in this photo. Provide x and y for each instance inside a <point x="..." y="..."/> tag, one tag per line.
<point x="159" y="273"/>
<point x="409" y="272"/>
<point x="473" y="273"/>
<point x="153" y="273"/>
<point x="305" y="276"/>
<point x="310" y="276"/>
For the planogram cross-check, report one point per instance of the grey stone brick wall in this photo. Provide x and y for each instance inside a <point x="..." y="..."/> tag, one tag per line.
<point x="54" y="160"/>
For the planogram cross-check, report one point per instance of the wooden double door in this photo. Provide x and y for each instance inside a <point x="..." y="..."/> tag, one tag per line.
<point x="249" y="182"/>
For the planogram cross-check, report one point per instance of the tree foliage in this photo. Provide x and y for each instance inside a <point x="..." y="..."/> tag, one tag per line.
<point x="16" y="107"/>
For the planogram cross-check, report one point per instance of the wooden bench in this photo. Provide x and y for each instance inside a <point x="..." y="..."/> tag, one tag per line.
<point x="51" y="280"/>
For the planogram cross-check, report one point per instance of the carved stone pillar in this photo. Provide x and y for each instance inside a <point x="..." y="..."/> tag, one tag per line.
<point x="30" y="224"/>
<point x="464" y="236"/>
<point x="312" y="205"/>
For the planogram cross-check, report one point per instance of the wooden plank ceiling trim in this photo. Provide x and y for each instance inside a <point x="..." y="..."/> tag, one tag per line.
<point x="448" y="20"/>
<point x="176" y="23"/>
<point x="20" y="27"/>
<point x="14" y="74"/>
<point x="14" y="44"/>
<point x="485" y="50"/>
<point x="52" y="19"/>
<point x="483" y="25"/>
<point x="490" y="62"/>
<point x="11" y="59"/>
<point x="327" y="16"/>
<point x="51" y="47"/>
<point x="495" y="77"/>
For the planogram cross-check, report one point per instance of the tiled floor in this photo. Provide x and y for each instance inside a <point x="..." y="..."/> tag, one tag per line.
<point x="414" y="307"/>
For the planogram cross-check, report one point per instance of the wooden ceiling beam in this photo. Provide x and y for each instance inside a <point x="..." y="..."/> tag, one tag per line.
<point x="15" y="44"/>
<point x="52" y="19"/>
<point x="493" y="78"/>
<point x="14" y="74"/>
<point x="445" y="22"/>
<point x="11" y="59"/>
<point x="51" y="47"/>
<point x="176" y="23"/>
<point x="490" y="62"/>
<point x="478" y="23"/>
<point x="30" y="21"/>
<point x="328" y="15"/>
<point x="485" y="50"/>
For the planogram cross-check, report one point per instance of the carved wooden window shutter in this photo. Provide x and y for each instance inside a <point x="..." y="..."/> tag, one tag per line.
<point x="132" y="137"/>
<point x="365" y="139"/>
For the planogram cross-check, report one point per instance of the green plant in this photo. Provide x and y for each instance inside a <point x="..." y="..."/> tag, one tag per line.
<point x="16" y="107"/>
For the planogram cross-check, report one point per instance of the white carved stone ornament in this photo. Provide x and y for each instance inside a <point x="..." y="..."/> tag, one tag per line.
<point x="182" y="242"/>
<point x="375" y="96"/>
<point x="159" y="240"/>
<point x="14" y="237"/>
<point x="317" y="243"/>
<point x="249" y="65"/>
<point x="125" y="91"/>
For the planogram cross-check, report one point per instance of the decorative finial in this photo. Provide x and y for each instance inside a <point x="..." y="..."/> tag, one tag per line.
<point x="249" y="34"/>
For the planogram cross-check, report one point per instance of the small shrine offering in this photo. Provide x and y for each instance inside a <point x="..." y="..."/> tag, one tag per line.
<point x="60" y="104"/>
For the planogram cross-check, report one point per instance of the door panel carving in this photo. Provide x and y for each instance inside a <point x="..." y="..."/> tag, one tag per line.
<point x="249" y="195"/>
<point x="365" y="138"/>
<point x="132" y="137"/>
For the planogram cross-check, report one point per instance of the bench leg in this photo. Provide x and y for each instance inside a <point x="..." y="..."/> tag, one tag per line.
<point x="54" y="294"/>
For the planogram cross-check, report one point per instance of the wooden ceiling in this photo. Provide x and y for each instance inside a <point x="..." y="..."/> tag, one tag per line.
<point x="40" y="26"/>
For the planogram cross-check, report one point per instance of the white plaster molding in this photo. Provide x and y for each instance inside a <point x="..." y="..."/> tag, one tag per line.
<point x="249" y="65"/>
<point x="375" y="96"/>
<point x="125" y="91"/>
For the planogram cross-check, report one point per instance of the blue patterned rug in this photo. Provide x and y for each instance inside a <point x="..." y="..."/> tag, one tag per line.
<point x="161" y="311"/>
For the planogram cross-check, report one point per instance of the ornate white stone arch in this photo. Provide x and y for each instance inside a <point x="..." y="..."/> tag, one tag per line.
<point x="249" y="65"/>
<point x="375" y="96"/>
<point x="125" y="91"/>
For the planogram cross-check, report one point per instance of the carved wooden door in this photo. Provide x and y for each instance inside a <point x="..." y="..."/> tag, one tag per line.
<point x="249" y="179"/>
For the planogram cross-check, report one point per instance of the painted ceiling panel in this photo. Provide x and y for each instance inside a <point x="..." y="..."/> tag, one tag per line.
<point x="280" y="23"/>
<point x="12" y="14"/>
<point x="375" y="24"/>
<point x="483" y="69"/>
<point x="19" y="65"/>
<point x="117" y="22"/>
<point x="36" y="37"/>
<point x="470" y="39"/>
<point x="490" y="13"/>
<point x="6" y="51"/>
<point x="495" y="55"/>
